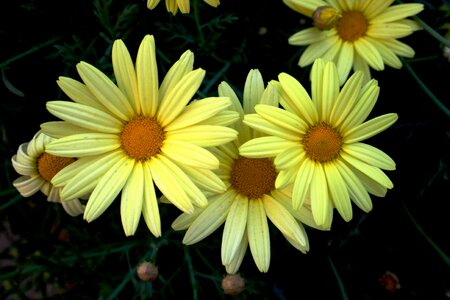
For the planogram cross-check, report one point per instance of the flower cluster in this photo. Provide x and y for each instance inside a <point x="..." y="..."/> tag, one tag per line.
<point x="279" y="154"/>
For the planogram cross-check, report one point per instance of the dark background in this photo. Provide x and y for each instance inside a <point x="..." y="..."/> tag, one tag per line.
<point x="41" y="40"/>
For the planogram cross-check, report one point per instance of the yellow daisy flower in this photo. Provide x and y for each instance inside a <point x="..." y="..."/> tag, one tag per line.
<point x="251" y="196"/>
<point x="38" y="168"/>
<point x="133" y="134"/>
<point x="358" y="34"/>
<point x="317" y="142"/>
<point x="184" y="5"/>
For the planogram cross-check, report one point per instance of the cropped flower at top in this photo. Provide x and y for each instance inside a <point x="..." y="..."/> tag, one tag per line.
<point x="38" y="168"/>
<point x="131" y="135"/>
<point x="355" y="34"/>
<point x="318" y="145"/>
<point x="251" y="196"/>
<point x="172" y="6"/>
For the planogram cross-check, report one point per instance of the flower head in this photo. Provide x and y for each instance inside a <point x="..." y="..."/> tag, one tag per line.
<point x="38" y="168"/>
<point x="251" y="196"/>
<point x="355" y="34"/>
<point x="184" y="5"/>
<point x="318" y="145"/>
<point x="133" y="134"/>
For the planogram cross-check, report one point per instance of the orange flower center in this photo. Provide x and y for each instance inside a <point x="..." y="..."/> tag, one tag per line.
<point x="352" y="25"/>
<point x="142" y="138"/>
<point x="253" y="177"/>
<point x="322" y="142"/>
<point x="48" y="165"/>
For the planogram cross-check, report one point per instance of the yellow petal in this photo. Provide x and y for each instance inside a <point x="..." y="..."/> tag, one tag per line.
<point x="258" y="234"/>
<point x="234" y="228"/>
<point x="132" y="200"/>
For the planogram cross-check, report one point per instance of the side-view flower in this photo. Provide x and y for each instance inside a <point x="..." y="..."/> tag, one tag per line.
<point x="318" y="145"/>
<point x="38" y="168"/>
<point x="251" y="196"/>
<point x="136" y="133"/>
<point x="184" y="6"/>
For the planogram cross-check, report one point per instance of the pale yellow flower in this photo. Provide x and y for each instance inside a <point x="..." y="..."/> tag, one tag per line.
<point x="251" y="197"/>
<point x="136" y="133"/>
<point x="359" y="34"/>
<point x="318" y="145"/>
<point x="183" y="5"/>
<point x="38" y="168"/>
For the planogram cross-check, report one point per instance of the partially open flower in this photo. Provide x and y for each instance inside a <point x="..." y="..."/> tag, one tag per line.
<point x="325" y="17"/>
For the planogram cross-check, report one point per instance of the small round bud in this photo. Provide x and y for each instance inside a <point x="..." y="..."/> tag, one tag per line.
<point x="325" y="17"/>
<point x="147" y="271"/>
<point x="233" y="284"/>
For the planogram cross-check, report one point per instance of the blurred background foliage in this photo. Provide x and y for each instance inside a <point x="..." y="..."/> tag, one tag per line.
<point x="398" y="251"/>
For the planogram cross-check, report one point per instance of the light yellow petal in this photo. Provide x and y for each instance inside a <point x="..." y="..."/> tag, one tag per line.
<point x="372" y="172"/>
<point x="371" y="155"/>
<point x="22" y="156"/>
<point x="78" y="92"/>
<point x="318" y="49"/>
<point x="59" y="129"/>
<point x="183" y="221"/>
<point x="223" y="118"/>
<point x="105" y="91"/>
<point x="108" y="188"/>
<point x="316" y="78"/>
<point x="147" y="77"/>
<point x="282" y="118"/>
<point x="210" y="219"/>
<point x="184" y="6"/>
<point x="330" y="89"/>
<point x="234" y="228"/>
<point x="346" y="99"/>
<point x="398" y="12"/>
<point x="151" y="4"/>
<point x="258" y="234"/>
<point x="71" y="170"/>
<point x="132" y="199"/>
<point x="369" y="128"/>
<point x="360" y="64"/>
<point x="175" y="100"/>
<point x="307" y="36"/>
<point x="338" y="191"/>
<point x="267" y="146"/>
<point x="203" y="135"/>
<point x="213" y="3"/>
<point x="179" y="69"/>
<point x="344" y="61"/>
<point x="85" y="180"/>
<point x="22" y="163"/>
<point x="28" y="186"/>
<point x="150" y="209"/>
<point x="172" y="6"/>
<point x="253" y="89"/>
<point x="125" y="74"/>
<point x="283" y="220"/>
<point x="258" y="123"/>
<point x="372" y="186"/>
<point x="369" y="53"/>
<point x="286" y="177"/>
<point x="236" y="262"/>
<point x="79" y="145"/>
<point x="199" y="111"/>
<point x="73" y="207"/>
<point x="305" y="7"/>
<point x="302" y="183"/>
<point x="320" y="202"/>
<point x="84" y="116"/>
<point x="357" y="191"/>
<point x="388" y="31"/>
<point x="398" y="47"/>
<point x="189" y="154"/>
<point x="298" y="98"/>
<point x="376" y="7"/>
<point x="289" y="158"/>
<point x="205" y="179"/>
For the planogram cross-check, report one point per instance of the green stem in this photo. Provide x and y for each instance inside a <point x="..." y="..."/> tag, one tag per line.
<point x="432" y="32"/>
<point x="28" y="52"/>
<point x="441" y="253"/>
<point x="188" y="259"/>
<point x="197" y="22"/>
<point x="338" y="279"/>
<point x="430" y="94"/>
<point x="10" y="202"/>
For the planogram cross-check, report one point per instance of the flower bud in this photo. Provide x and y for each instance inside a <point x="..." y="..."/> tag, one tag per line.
<point x="147" y="271"/>
<point x="233" y="284"/>
<point x="325" y="17"/>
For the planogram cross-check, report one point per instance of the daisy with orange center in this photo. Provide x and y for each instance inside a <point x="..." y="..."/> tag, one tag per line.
<point x="136" y="133"/>
<point x="184" y="6"/>
<point x="355" y="34"/>
<point x="318" y="145"/>
<point x="38" y="169"/>
<point x="251" y="196"/>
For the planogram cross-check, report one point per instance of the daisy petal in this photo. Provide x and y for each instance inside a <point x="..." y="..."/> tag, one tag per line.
<point x="320" y="203"/>
<point x="59" y="129"/>
<point x="318" y="49"/>
<point x="266" y="146"/>
<point x="397" y="12"/>
<point x="200" y="135"/>
<point x="258" y="123"/>
<point x="234" y="228"/>
<point x="150" y="209"/>
<point x="282" y="118"/>
<point x="330" y="89"/>
<point x="258" y="235"/>
<point x="369" y="53"/>
<point x="78" y="92"/>
<point x="108" y="188"/>
<point x="28" y="186"/>
<point x="211" y="218"/>
<point x="205" y="179"/>
<point x="371" y="155"/>
<point x="344" y="61"/>
<point x="369" y="128"/>
<point x="289" y="158"/>
<point x="79" y="145"/>
<point x="234" y="265"/>
<point x="307" y="36"/>
<point x="73" y="207"/>
<point x="338" y="191"/>
<point x="302" y="182"/>
<point x="253" y="89"/>
<point x="132" y="199"/>
<point x="189" y="154"/>
<point x="389" y="31"/>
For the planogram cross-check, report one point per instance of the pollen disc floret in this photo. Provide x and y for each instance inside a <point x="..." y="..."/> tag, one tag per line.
<point x="48" y="165"/>
<point x="253" y="177"/>
<point x="142" y="138"/>
<point x="322" y="142"/>
<point x="352" y="25"/>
